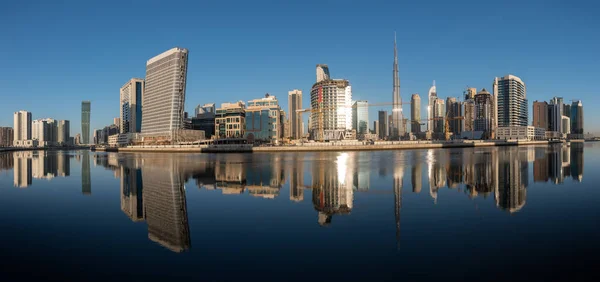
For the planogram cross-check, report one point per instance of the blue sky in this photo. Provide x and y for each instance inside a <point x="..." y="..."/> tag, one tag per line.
<point x="55" y="54"/>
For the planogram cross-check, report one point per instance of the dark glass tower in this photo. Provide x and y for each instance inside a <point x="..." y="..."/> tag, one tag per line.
<point x="86" y="109"/>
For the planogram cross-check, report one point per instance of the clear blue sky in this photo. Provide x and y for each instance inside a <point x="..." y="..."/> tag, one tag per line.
<point x="54" y="54"/>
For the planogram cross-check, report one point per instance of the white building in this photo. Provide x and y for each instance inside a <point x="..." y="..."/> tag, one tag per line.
<point x="521" y="133"/>
<point x="566" y="125"/>
<point x="431" y="97"/>
<point x="22" y="127"/>
<point x="334" y="99"/>
<point x="130" y="106"/>
<point x="164" y="94"/>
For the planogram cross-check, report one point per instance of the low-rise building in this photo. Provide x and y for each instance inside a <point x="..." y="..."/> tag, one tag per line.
<point x="521" y="133"/>
<point x="230" y="120"/>
<point x="264" y="120"/>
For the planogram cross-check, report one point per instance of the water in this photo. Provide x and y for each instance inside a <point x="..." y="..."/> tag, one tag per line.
<point x="482" y="213"/>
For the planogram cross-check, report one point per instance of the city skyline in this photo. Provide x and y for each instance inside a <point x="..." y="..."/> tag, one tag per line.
<point x="368" y="70"/>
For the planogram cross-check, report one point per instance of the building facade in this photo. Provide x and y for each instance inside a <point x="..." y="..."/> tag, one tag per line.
<point x="45" y="131"/>
<point x="469" y="114"/>
<point x="431" y="97"/>
<point x="206" y="110"/>
<point x="130" y="108"/>
<point x="454" y="113"/>
<point x="554" y="118"/>
<point x="521" y="133"/>
<point x="264" y="123"/>
<point x="566" y="125"/>
<point x="322" y="72"/>
<point x="383" y="124"/>
<point x="164" y="94"/>
<point x="86" y="110"/>
<point x="64" y="133"/>
<point x="511" y="95"/>
<point x="439" y="115"/>
<point x="21" y="126"/>
<point x="6" y="136"/>
<point x="540" y="114"/>
<point x="577" y="119"/>
<point x="398" y="129"/>
<point x="360" y="117"/>
<point x="230" y="120"/>
<point x="332" y="102"/>
<point x="295" y="104"/>
<point x="484" y="112"/>
<point x="415" y="113"/>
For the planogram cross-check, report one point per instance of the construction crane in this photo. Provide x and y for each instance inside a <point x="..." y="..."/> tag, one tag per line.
<point x="320" y="133"/>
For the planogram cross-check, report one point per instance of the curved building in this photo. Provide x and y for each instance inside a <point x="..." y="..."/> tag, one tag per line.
<point x="511" y="96"/>
<point x="332" y="101"/>
<point x="484" y="112"/>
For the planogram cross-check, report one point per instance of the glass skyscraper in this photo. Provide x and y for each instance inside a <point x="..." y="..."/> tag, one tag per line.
<point x="511" y="95"/>
<point x="86" y="109"/>
<point x="360" y="117"/>
<point x="131" y="106"/>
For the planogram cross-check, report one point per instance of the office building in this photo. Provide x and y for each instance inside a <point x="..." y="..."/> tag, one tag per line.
<point x="164" y="94"/>
<point x="521" y="133"/>
<point x="263" y="120"/>
<point x="398" y="129"/>
<point x="577" y="119"/>
<point x="431" y="97"/>
<point x="86" y="109"/>
<point x="205" y="110"/>
<point x="64" y="133"/>
<point x="45" y="131"/>
<point x="21" y="126"/>
<point x="132" y="93"/>
<point x="555" y="118"/>
<point x="360" y="117"/>
<point x="566" y="125"/>
<point x="383" y="124"/>
<point x="469" y="114"/>
<point x="230" y="120"/>
<point x="6" y="136"/>
<point x="322" y="72"/>
<point x="511" y="94"/>
<point x="567" y="110"/>
<point x="294" y="120"/>
<point x="415" y="113"/>
<point x="540" y="114"/>
<point x="333" y="101"/>
<point x="484" y="113"/>
<point x="376" y="127"/>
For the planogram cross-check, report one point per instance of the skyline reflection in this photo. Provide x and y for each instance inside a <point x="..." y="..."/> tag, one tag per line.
<point x="152" y="186"/>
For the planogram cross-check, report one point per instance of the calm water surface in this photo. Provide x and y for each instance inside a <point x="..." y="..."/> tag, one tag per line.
<point x="502" y="213"/>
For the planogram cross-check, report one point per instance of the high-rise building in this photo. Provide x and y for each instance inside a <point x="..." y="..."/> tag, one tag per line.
<point x="566" y="124"/>
<point x="439" y="114"/>
<point x="295" y="104"/>
<point x="484" y="112"/>
<point x="454" y="112"/>
<point x="332" y="100"/>
<point x="263" y="120"/>
<point x="540" y="114"/>
<point x="45" y="131"/>
<point x="376" y="127"/>
<point x="130" y="107"/>
<point x="577" y="118"/>
<point x="554" y="118"/>
<point x="322" y="72"/>
<point x="511" y="95"/>
<point x="86" y="109"/>
<point x="22" y="126"/>
<point x="6" y="136"/>
<point x="383" y="124"/>
<point x="360" y="117"/>
<point x="64" y="132"/>
<point x="469" y="114"/>
<point x="164" y="94"/>
<point x="567" y="110"/>
<point x="230" y="120"/>
<point x="415" y="113"/>
<point x="431" y="97"/>
<point x="398" y="129"/>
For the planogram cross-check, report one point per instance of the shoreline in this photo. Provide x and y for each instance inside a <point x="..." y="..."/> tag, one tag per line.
<point x="331" y="147"/>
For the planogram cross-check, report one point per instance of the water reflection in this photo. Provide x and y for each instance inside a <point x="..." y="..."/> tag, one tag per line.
<point x="152" y="186"/>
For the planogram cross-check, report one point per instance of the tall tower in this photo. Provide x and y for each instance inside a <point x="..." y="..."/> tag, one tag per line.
<point x="22" y="126"/>
<point x="415" y="113"/>
<point x="86" y="109"/>
<point x="164" y="93"/>
<point x="431" y="97"/>
<point x="131" y="106"/>
<point x="294" y="104"/>
<point x="397" y="128"/>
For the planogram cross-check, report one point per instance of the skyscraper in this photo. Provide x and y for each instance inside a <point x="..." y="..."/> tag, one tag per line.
<point x="431" y="97"/>
<point x="554" y="118"/>
<point x="130" y="106"/>
<point x="164" y="93"/>
<point x="6" y="136"/>
<point x="383" y="124"/>
<point x="86" y="109"/>
<point x="469" y="115"/>
<point x="484" y="111"/>
<point x="439" y="114"/>
<point x="470" y="93"/>
<point x="333" y="100"/>
<point x="322" y="72"/>
<point x="577" y="118"/>
<point x="397" y="126"/>
<point x="360" y="117"/>
<point x="294" y="104"/>
<point x="64" y="132"/>
<point x="540" y="114"/>
<point x="22" y="126"/>
<point x="512" y="101"/>
<point x="454" y="112"/>
<point x="415" y="113"/>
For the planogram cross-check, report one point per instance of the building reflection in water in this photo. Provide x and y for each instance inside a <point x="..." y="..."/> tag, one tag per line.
<point x="332" y="191"/>
<point x="86" y="181"/>
<point x="513" y="175"/>
<point x="29" y="165"/>
<point x="132" y="200"/>
<point x="296" y="179"/>
<point x="555" y="163"/>
<point x="398" y="180"/>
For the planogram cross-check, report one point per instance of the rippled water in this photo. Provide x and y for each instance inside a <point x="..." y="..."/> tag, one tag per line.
<point x="480" y="213"/>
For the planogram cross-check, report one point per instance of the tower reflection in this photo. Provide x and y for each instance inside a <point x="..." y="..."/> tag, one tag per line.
<point x="332" y="191"/>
